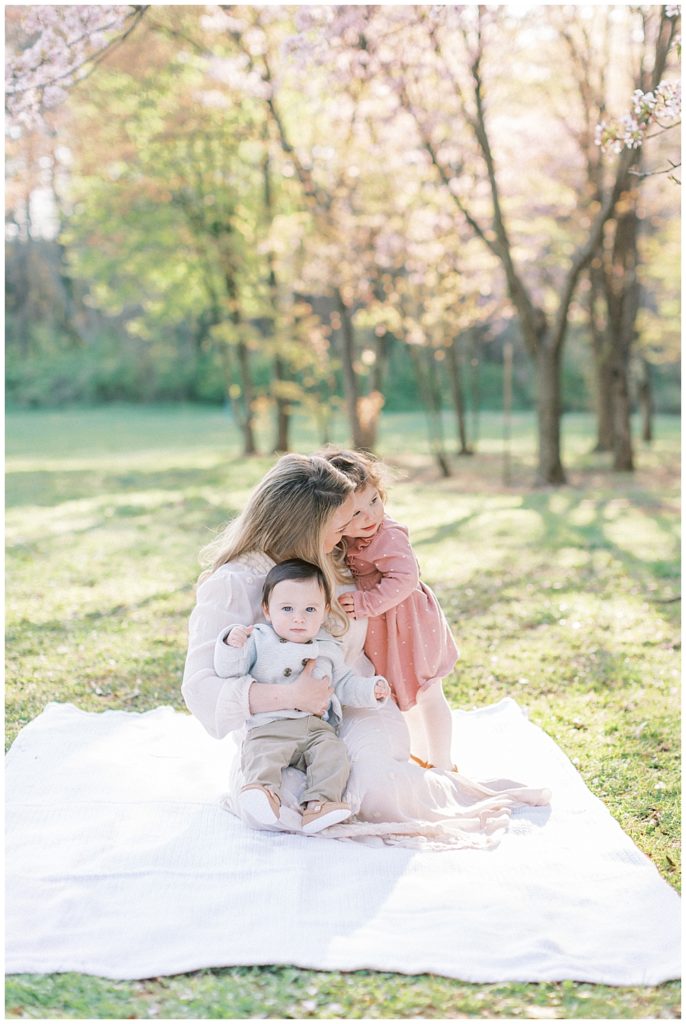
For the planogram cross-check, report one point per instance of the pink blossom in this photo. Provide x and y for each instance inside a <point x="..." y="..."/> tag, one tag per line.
<point x="65" y="41"/>
<point x="661" y="108"/>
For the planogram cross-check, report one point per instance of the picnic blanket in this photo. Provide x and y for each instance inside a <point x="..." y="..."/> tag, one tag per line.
<point x="122" y="862"/>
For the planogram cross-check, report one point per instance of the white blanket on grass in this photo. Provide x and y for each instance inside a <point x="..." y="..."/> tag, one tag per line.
<point x="122" y="863"/>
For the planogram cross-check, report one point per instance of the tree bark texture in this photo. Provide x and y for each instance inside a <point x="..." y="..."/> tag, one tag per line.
<point x="422" y="360"/>
<point x="243" y="408"/>
<point x="350" y="383"/>
<point x="281" y="439"/>
<point x="549" y="409"/>
<point x="622" y="295"/>
<point x="457" y="392"/>
<point x="283" y="419"/>
<point x="382" y="351"/>
<point x="247" y="426"/>
<point x="602" y="364"/>
<point x="645" y="400"/>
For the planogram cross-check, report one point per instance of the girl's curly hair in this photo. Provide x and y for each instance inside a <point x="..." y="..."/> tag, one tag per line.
<point x="360" y="467"/>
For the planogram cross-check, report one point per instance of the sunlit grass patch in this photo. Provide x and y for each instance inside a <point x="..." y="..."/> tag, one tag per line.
<point x="274" y="992"/>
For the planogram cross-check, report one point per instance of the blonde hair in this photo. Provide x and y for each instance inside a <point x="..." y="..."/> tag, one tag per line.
<point x="359" y="466"/>
<point x="285" y="517"/>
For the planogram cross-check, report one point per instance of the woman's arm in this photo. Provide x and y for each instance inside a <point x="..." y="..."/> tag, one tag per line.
<point x="223" y="705"/>
<point x="395" y="560"/>
<point x="307" y="693"/>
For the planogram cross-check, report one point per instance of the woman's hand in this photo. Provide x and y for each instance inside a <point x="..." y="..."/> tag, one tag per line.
<point x="311" y="694"/>
<point x="347" y="603"/>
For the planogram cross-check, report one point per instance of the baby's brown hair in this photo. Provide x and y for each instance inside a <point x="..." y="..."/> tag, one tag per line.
<point x="360" y="467"/>
<point x="298" y="570"/>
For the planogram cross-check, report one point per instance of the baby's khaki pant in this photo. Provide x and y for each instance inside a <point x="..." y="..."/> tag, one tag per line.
<point x="306" y="743"/>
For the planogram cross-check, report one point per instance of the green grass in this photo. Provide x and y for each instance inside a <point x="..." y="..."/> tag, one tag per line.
<point x="562" y="598"/>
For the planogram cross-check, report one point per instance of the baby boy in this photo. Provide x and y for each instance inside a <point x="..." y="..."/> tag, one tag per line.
<point x="295" y="600"/>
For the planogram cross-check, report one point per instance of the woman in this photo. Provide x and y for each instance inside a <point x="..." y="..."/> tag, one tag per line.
<point x="300" y="510"/>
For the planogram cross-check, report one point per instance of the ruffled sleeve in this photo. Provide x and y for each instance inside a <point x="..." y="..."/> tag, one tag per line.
<point x="392" y="556"/>
<point x="227" y="597"/>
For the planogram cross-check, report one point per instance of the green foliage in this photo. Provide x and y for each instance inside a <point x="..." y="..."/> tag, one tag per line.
<point x="165" y="363"/>
<point x="110" y="367"/>
<point x="562" y="598"/>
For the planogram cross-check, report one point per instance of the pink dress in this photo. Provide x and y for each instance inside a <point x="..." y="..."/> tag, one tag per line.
<point x="408" y="639"/>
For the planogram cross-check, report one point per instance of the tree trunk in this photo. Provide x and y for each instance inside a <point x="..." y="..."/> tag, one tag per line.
<point x="281" y="440"/>
<point x="645" y="399"/>
<point x="208" y="319"/>
<point x="283" y="419"/>
<point x="23" y="292"/>
<point x="428" y="391"/>
<point x="369" y="406"/>
<point x="475" y="387"/>
<point x="323" y="420"/>
<point x="244" y="408"/>
<point x="249" y="446"/>
<point x="382" y="348"/>
<point x="322" y="409"/>
<point x="602" y="366"/>
<point x="350" y="389"/>
<point x="69" y="316"/>
<point x="622" y="293"/>
<point x="549" y="409"/>
<point x="369" y="410"/>
<point x="622" y="447"/>
<point x="457" y="391"/>
<point x="604" y="400"/>
<point x="507" y="412"/>
<point x="29" y="275"/>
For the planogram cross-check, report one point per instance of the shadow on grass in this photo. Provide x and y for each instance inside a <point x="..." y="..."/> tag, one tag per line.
<point x="193" y="514"/>
<point x="558" y="530"/>
<point x="50" y="488"/>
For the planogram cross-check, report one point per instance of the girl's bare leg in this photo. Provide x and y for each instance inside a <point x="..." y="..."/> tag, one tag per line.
<point x="437" y="720"/>
<point x="419" y="746"/>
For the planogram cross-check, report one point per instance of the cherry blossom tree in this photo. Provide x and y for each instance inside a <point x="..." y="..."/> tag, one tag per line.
<point x="436" y="61"/>
<point x="374" y="151"/>
<point x="614" y="270"/>
<point x="653" y="111"/>
<point x="65" y="44"/>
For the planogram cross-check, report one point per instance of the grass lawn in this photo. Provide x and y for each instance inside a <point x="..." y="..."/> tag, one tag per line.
<point x="563" y="598"/>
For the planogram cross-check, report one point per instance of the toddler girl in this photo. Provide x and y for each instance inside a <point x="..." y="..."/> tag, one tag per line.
<point x="408" y="639"/>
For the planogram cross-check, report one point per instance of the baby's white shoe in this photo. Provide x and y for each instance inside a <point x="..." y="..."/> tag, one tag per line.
<point x="320" y="815"/>
<point x="259" y="805"/>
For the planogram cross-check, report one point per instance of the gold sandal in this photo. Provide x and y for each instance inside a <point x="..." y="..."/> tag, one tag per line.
<point x="427" y="764"/>
<point x="422" y="764"/>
